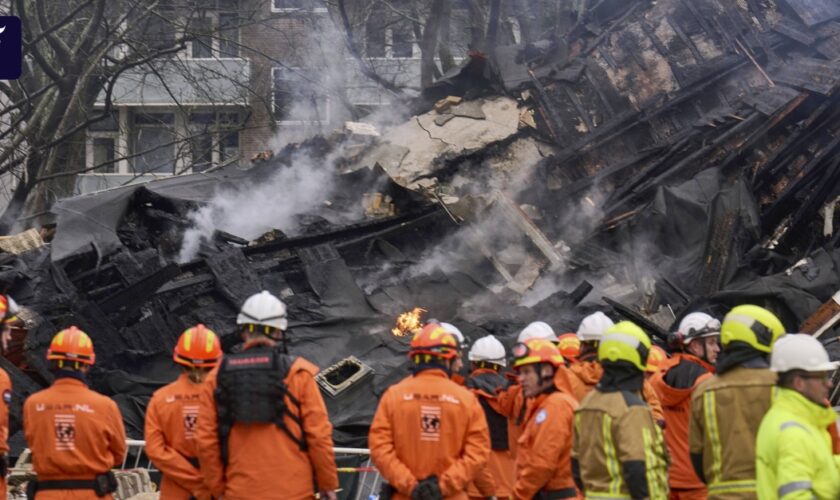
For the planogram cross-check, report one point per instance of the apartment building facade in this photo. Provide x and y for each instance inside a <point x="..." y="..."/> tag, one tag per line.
<point x="255" y="74"/>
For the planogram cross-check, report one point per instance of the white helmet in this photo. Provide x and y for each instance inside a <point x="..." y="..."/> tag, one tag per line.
<point x="594" y="326"/>
<point x="799" y="351"/>
<point x="488" y="349"/>
<point x="698" y="325"/>
<point x="449" y="327"/>
<point x="537" y="330"/>
<point x="263" y="309"/>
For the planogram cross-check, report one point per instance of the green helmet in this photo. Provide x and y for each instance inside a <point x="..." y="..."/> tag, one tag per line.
<point x="752" y="325"/>
<point x="625" y="342"/>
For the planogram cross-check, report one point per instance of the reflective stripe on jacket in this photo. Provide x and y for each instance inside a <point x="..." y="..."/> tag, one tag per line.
<point x="618" y="448"/>
<point x="583" y="376"/>
<point x="794" y="459"/>
<point x="726" y="411"/>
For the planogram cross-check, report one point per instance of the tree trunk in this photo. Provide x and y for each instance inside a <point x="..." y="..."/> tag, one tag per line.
<point x="478" y="23"/>
<point x="16" y="204"/>
<point x="528" y="25"/>
<point x="493" y="25"/>
<point x="429" y="43"/>
<point x="447" y="62"/>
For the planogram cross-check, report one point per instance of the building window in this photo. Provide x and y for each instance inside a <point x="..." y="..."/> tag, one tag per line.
<point x="104" y="152"/>
<point x="316" y="6"/>
<point x="153" y="143"/>
<point x="375" y="39"/>
<point x="214" y="139"/>
<point x="394" y="41"/>
<point x="228" y="34"/>
<point x="216" y="34"/>
<point x="296" y="98"/>
<point x="159" y="29"/>
<point x="202" y="44"/>
<point x="101" y="144"/>
<point x="402" y="42"/>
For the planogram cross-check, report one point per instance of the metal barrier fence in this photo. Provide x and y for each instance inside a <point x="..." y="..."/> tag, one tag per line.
<point x="368" y="483"/>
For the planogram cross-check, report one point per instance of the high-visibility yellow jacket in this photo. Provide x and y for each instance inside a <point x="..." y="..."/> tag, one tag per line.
<point x="726" y="411"/>
<point x="618" y="450"/>
<point x="794" y="458"/>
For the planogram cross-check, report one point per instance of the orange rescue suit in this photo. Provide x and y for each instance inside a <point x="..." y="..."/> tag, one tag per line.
<point x="73" y="433"/>
<point x="512" y="404"/>
<point x="6" y="391"/>
<point x="497" y="478"/>
<point x="586" y="374"/>
<point x="171" y="420"/>
<point x="544" y="459"/>
<point x="264" y="462"/>
<point x="676" y="403"/>
<point x="424" y="425"/>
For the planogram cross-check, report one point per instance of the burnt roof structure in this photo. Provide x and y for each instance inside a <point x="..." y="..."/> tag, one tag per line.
<point x="667" y="155"/>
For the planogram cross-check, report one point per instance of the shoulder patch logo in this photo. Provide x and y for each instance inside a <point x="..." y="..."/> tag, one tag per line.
<point x="541" y="416"/>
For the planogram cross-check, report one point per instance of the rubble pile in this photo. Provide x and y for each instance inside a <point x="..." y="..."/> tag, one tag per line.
<point x="661" y="156"/>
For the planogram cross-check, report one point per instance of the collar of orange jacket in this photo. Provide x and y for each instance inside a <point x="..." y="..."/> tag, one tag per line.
<point x="69" y="381"/>
<point x="694" y="359"/>
<point x="432" y="372"/>
<point x="589" y="372"/>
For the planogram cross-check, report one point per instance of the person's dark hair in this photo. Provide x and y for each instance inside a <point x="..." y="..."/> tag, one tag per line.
<point x="60" y="364"/>
<point x="786" y="378"/>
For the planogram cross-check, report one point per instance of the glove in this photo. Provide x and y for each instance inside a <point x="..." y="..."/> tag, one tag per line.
<point x="427" y="489"/>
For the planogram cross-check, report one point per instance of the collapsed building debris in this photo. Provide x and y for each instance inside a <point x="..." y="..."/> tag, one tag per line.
<point x="664" y="155"/>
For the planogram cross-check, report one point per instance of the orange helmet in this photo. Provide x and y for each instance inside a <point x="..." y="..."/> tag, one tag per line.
<point x="536" y="351"/>
<point x="71" y="344"/>
<point x="8" y="309"/>
<point x="198" y="347"/>
<point x="656" y="357"/>
<point x="434" y="340"/>
<point x="569" y="346"/>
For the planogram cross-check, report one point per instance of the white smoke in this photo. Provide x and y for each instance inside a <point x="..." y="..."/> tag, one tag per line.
<point x="255" y="209"/>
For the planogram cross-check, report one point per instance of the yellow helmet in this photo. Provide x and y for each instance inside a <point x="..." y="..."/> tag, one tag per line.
<point x="752" y="325"/>
<point x="625" y="342"/>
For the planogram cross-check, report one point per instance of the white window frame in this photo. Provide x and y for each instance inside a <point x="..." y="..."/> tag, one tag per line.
<point x="215" y="136"/>
<point x="298" y="122"/>
<point x="215" y="41"/>
<point x="389" y="49"/>
<point x="297" y="10"/>
<point x="120" y="145"/>
<point x="90" y="137"/>
<point x="176" y="127"/>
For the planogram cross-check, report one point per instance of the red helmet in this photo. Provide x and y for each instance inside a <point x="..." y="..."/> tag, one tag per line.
<point x="198" y="347"/>
<point x="656" y="357"/>
<point x="434" y="340"/>
<point x="536" y="351"/>
<point x="71" y="344"/>
<point x="569" y="346"/>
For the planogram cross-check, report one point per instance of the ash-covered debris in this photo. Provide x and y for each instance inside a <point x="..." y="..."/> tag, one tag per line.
<point x="665" y="155"/>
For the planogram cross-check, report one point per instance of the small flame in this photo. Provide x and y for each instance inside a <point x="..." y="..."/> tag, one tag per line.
<point x="408" y="322"/>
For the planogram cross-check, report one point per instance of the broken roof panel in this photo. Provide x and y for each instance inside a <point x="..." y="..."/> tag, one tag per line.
<point x="815" y="11"/>
<point x="768" y="101"/>
<point x="808" y="73"/>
